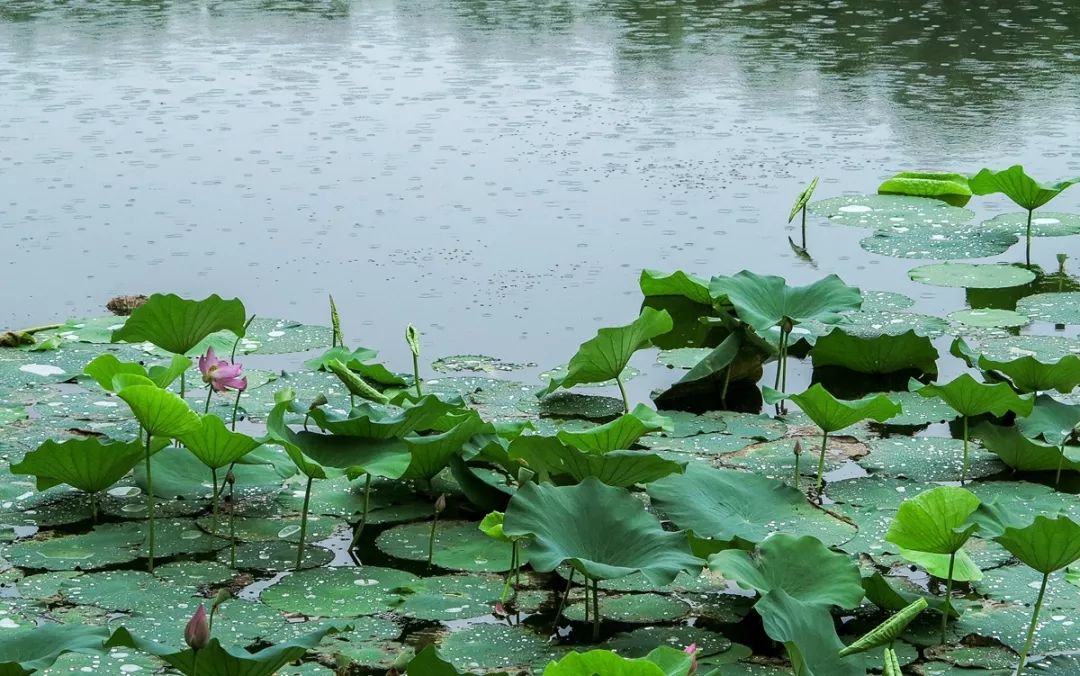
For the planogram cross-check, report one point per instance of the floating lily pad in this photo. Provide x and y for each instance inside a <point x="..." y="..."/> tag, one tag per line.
<point x="1043" y="223"/>
<point x="927" y="459"/>
<point x="716" y="443"/>
<point x="970" y="276"/>
<point x="452" y="597"/>
<point x="919" y="410"/>
<point x="459" y="545"/>
<point x="682" y="357"/>
<point x="634" y="608"/>
<point x="497" y="646"/>
<point x="947" y="242"/>
<point x="272" y="529"/>
<point x="572" y="405"/>
<point x="885" y="301"/>
<point x="339" y="592"/>
<point x="104" y="546"/>
<point x="641" y="642"/>
<point x="274" y="557"/>
<point x="192" y="574"/>
<point x="877" y="211"/>
<point x="871" y="324"/>
<point x="990" y="318"/>
<point x="1056" y="308"/>
<point x="477" y="363"/>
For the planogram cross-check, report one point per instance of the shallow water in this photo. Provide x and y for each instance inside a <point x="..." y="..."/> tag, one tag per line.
<point x="495" y="172"/>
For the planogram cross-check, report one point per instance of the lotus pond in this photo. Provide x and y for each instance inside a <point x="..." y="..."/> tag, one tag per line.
<point x="190" y="487"/>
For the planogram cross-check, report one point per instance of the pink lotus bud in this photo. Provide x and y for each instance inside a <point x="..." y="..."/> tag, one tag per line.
<point x="440" y="503"/>
<point x="798" y="448"/>
<point x="691" y="650"/>
<point x="500" y="610"/>
<point x="197" y="631"/>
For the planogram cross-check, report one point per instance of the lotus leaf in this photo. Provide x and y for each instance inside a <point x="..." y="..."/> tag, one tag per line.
<point x="25" y="651"/>
<point x="1057" y="308"/>
<point x="806" y="630"/>
<point x="990" y="318"/>
<point x="763" y="301"/>
<point x="1050" y="420"/>
<point x="938" y="242"/>
<point x="459" y="545"/>
<point x="662" y="661"/>
<point x="970" y="276"/>
<point x="881" y="354"/>
<point x="678" y="283"/>
<point x="1043" y="224"/>
<point x="1024" y="454"/>
<point x="877" y="211"/>
<point x="90" y="465"/>
<point x="177" y="325"/>
<point x="602" y="531"/>
<point x="948" y="187"/>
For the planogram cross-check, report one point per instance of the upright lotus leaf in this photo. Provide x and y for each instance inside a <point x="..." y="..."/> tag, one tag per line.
<point x="554" y="460"/>
<point x="729" y="505"/>
<point x="604" y="357"/>
<point x="91" y="465"/>
<point x="1028" y="374"/>
<point x="105" y="367"/>
<point x="430" y="663"/>
<point x="886" y="353"/>
<point x="26" y="651"/>
<point x="215" y="445"/>
<point x="619" y="434"/>
<point x="663" y="661"/>
<point x="358" y="360"/>
<point x="432" y="453"/>
<point x="177" y="325"/>
<point x="832" y="414"/>
<point x="799" y="565"/>
<point x="1023" y="190"/>
<point x="1047" y="545"/>
<point x="807" y="632"/>
<point x="375" y="421"/>
<point x="803" y="199"/>
<point x="678" y="283"/>
<point x="969" y="397"/>
<point x="948" y="187"/>
<point x="217" y="660"/>
<point x="763" y="301"/>
<point x="1027" y="455"/>
<point x="601" y="531"/>
<point x="1050" y="420"/>
<point x="937" y="522"/>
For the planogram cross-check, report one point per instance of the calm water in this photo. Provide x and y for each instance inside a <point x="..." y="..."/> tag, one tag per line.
<point x="495" y="172"/>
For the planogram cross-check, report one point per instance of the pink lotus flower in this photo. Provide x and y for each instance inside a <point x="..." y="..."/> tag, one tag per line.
<point x="691" y="650"/>
<point x="220" y="374"/>
<point x="197" y="631"/>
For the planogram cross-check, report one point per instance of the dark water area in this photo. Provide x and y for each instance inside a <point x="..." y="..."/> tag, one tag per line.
<point x="496" y="173"/>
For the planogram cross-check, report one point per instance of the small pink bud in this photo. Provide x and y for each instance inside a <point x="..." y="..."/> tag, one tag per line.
<point x="197" y="631"/>
<point x="798" y="448"/>
<point x="691" y="650"/>
<point x="440" y="503"/>
<point x="500" y="610"/>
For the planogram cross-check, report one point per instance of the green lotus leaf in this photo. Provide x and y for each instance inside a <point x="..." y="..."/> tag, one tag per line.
<point x="1056" y="308"/>
<point x="459" y="545"/>
<point x="604" y="357"/>
<point x="725" y="505"/>
<point x="881" y="354"/>
<point x="763" y="301"/>
<point x="1047" y="544"/>
<point x="682" y="357"/>
<point x="278" y="433"/>
<point x="215" y="445"/>
<point x="549" y="457"/>
<point x="1015" y="184"/>
<point x="160" y="412"/>
<point x="602" y="531"/>
<point x="990" y="318"/>
<point x="177" y="325"/>
<point x="807" y="632"/>
<point x="91" y="465"/>
<point x="430" y="454"/>
<point x="963" y="567"/>
<point x="935" y="521"/>
<point x="948" y="187"/>
<point x="801" y="566"/>
<point x="217" y="660"/>
<point x="724" y="356"/>
<point x="376" y="421"/>
<point x="663" y="661"/>
<point x="971" y="276"/>
<point x="104" y="368"/>
<point x="803" y="198"/>
<point x="1050" y="420"/>
<point x="492" y="526"/>
<point x="832" y="414"/>
<point x="969" y="397"/>
<point x="648" y="608"/>
<point x="879" y="211"/>
<point x="1024" y="454"/>
<point x="25" y="651"/>
<point x="619" y="434"/>
<point x="1027" y="372"/>
<point x="1043" y="223"/>
<point x="430" y="663"/>
<point x="939" y="241"/>
<point x="678" y="283"/>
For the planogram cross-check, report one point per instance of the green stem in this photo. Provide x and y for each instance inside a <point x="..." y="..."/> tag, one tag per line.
<point x="622" y="391"/>
<point x="303" y="523"/>
<point x="727" y="382"/>
<point x="209" y="393"/>
<point x="1034" y="622"/>
<point x="948" y="598"/>
<point x="235" y="408"/>
<point x="183" y="382"/>
<point x="431" y="540"/>
<point x="798" y="456"/>
<point x="562" y="602"/>
<point x="821" y="462"/>
<point x="150" y="504"/>
<point x="510" y="573"/>
<point x="195" y="663"/>
<point x="363" y="517"/>
<point x="1028" y="254"/>
<point x="804" y="227"/>
<point x="214" y="502"/>
<point x="416" y="374"/>
<point x="596" y="611"/>
<point x="1061" y="463"/>
<point x="779" y="360"/>
<point x="232" y="529"/>
<point x="783" y="368"/>
<point x="93" y="506"/>
<point x="964" y="467"/>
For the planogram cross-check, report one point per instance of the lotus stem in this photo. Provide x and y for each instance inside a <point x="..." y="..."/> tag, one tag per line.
<point x="804" y="227"/>
<point x="622" y="391"/>
<point x="363" y="517"/>
<point x="562" y="602"/>
<point x="303" y="523"/>
<point x="1028" y="252"/>
<point x="821" y="462"/>
<point x="235" y="408"/>
<point x="209" y="393"/>
<point x="727" y="383"/>
<point x="948" y="598"/>
<point x="416" y="374"/>
<point x="183" y="382"/>
<point x="1034" y="622"/>
<point x="94" y="507"/>
<point x="964" y="466"/>
<point x="232" y="524"/>
<point x="1061" y="463"/>
<point x="214" y="502"/>
<point x="150" y="504"/>
<point x="798" y="456"/>
<point x="510" y="573"/>
<point x="596" y="611"/>
<point x="236" y="343"/>
<point x="431" y="539"/>
<point x="195" y="663"/>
